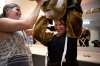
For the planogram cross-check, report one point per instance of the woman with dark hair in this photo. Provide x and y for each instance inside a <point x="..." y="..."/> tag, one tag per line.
<point x="71" y="12"/>
<point x="13" y="51"/>
<point x="62" y="50"/>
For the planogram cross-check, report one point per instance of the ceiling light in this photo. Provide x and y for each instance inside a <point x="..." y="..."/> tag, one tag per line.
<point x="86" y="22"/>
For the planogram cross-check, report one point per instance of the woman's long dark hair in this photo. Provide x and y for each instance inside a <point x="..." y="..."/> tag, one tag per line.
<point x="6" y="7"/>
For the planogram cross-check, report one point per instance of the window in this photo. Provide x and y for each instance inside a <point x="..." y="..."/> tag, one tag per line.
<point x="2" y="3"/>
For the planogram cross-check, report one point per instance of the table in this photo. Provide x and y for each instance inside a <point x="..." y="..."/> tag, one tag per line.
<point x="86" y="56"/>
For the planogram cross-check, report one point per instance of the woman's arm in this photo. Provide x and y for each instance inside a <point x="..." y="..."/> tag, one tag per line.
<point x="12" y="25"/>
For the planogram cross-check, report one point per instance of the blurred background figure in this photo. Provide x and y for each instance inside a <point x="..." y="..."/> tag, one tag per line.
<point x="84" y="38"/>
<point x="96" y="43"/>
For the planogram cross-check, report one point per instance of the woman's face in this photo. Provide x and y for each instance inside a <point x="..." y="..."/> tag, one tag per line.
<point x="60" y="28"/>
<point x="14" y="13"/>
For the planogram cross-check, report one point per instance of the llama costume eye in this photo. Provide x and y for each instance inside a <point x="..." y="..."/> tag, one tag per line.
<point x="53" y="7"/>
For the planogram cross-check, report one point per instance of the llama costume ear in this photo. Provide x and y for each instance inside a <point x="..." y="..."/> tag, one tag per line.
<point x="39" y="31"/>
<point x="52" y="4"/>
<point x="74" y="24"/>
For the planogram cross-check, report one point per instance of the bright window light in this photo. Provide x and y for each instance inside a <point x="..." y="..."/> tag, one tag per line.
<point x="86" y="22"/>
<point x="2" y="3"/>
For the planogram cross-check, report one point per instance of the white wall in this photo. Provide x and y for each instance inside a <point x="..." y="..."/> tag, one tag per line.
<point x="95" y="35"/>
<point x="2" y="3"/>
<point x="93" y="18"/>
